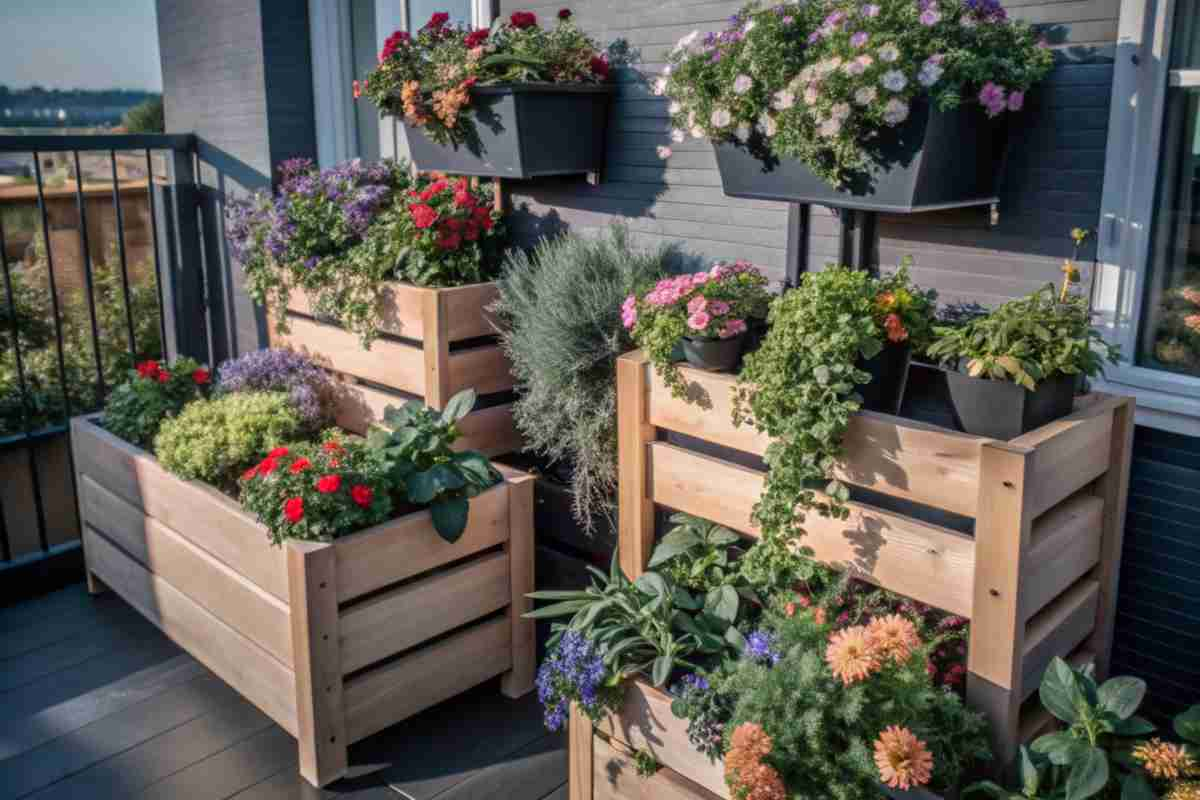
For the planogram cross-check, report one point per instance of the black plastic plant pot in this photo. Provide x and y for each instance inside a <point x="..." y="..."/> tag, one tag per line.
<point x="889" y="374"/>
<point x="933" y="160"/>
<point x="1005" y="410"/>
<point x="524" y="130"/>
<point x="714" y="355"/>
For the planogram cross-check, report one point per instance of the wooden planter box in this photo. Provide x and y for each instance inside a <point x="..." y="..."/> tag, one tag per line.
<point x="434" y="343"/>
<point x="333" y="641"/>
<point x="1037" y="578"/>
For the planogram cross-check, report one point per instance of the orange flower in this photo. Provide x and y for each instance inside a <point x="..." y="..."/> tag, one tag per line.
<point x="751" y="739"/>
<point x="747" y="776"/>
<point x="1192" y="321"/>
<point x="896" y="332"/>
<point x="894" y="637"/>
<point x="885" y="301"/>
<point x="1164" y="760"/>
<point x="762" y="782"/>
<point x="1191" y="295"/>
<point x="902" y="758"/>
<point x="819" y="616"/>
<point x="851" y="654"/>
<point x="790" y="609"/>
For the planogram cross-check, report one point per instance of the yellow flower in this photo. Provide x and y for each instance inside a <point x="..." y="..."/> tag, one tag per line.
<point x="852" y="655"/>
<point x="1079" y="234"/>
<point x="894" y="637"/>
<point x="1164" y="760"/>
<point x="1189" y="790"/>
<point x="902" y="758"/>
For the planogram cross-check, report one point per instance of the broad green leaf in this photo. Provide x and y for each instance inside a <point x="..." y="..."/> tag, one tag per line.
<point x="450" y="517"/>
<point x="458" y="406"/>
<point x="398" y="417"/>
<point x="1059" y="692"/>
<point x="722" y="602"/>
<point x="987" y="788"/>
<point x="870" y="347"/>
<point x="652" y="584"/>
<point x="1061" y="748"/>
<point x="686" y="600"/>
<point x="1122" y="695"/>
<point x="821" y="373"/>
<point x="662" y="670"/>
<point x="1187" y="724"/>
<point x="476" y="467"/>
<point x="720" y="536"/>
<point x="676" y="542"/>
<point x="735" y="639"/>
<point x="1030" y="778"/>
<point x="1135" y="787"/>
<point x="553" y="594"/>
<point x="423" y="487"/>
<point x="1134" y="726"/>
<point x="1088" y="775"/>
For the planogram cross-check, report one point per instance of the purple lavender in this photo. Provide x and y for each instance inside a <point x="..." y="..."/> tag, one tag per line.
<point x="572" y="672"/>
<point x="308" y="386"/>
<point x="761" y="648"/>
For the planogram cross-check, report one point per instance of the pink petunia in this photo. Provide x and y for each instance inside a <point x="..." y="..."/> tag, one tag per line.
<point x="1016" y="100"/>
<point x="718" y="308"/>
<point x="699" y="321"/>
<point x="697" y="304"/>
<point x="732" y="328"/>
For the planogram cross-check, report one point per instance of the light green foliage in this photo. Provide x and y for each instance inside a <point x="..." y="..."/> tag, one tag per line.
<point x="139" y="406"/>
<point x="1027" y="340"/>
<point x="215" y="440"/>
<point x="560" y="308"/>
<point x="696" y="554"/>
<point x="414" y="444"/>
<point x="146" y="117"/>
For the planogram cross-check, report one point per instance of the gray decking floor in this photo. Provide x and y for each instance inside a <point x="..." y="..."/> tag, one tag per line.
<point x="96" y="704"/>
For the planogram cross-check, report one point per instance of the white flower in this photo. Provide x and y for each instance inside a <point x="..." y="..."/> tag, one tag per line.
<point x="865" y="96"/>
<point x="805" y="76"/>
<point x="686" y="41"/>
<point x="667" y="70"/>
<point x="889" y="53"/>
<point x="840" y="111"/>
<point x="893" y="80"/>
<point x="691" y="119"/>
<point x="766" y="124"/>
<point x="743" y="132"/>
<point x="895" y="112"/>
<point x="663" y="151"/>
<point x="854" y="68"/>
<point x="697" y="132"/>
<point x="742" y="84"/>
<point x="830" y="128"/>
<point x="675" y="107"/>
<point x="660" y="87"/>
<point x="749" y="26"/>
<point x="677" y="135"/>
<point x="783" y="100"/>
<point x="829" y="66"/>
<point x="811" y="95"/>
<point x="720" y="118"/>
<point x="929" y="74"/>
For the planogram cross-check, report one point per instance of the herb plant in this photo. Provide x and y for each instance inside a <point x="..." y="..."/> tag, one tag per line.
<point x="317" y="492"/>
<point x="276" y="370"/>
<point x="414" y="443"/>
<point x="152" y="394"/>
<point x="823" y="82"/>
<point x="1027" y="340"/>
<point x="695" y="554"/>
<point x="561" y="329"/>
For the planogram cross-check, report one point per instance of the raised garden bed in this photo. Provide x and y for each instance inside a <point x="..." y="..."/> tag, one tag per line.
<point x="334" y="641"/>
<point x="1034" y="566"/>
<point x="434" y="343"/>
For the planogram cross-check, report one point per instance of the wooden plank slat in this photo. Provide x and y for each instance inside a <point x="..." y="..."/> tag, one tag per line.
<point x="259" y="616"/>
<point x="581" y="743"/>
<point x="903" y="458"/>
<point x="635" y="510"/>
<point x="399" y="309"/>
<point x="645" y="722"/>
<point x="928" y="563"/>
<point x="464" y="308"/>
<point x="234" y="658"/>
<point x="408" y="546"/>
<point x="402" y="618"/>
<point x="484" y="369"/>
<point x="389" y="363"/>
<point x="386" y="695"/>
<point x="519" y="550"/>
<point x="198" y="513"/>
<point x="1057" y="630"/>
<point x="1070" y="453"/>
<point x="617" y="779"/>
<point x="1065" y="545"/>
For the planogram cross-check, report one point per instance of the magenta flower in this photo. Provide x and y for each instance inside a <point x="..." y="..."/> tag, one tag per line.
<point x="718" y="308"/>
<point x="699" y="321"/>
<point x="859" y="39"/>
<point x="930" y="17"/>
<point x="1016" y="100"/>
<point x="732" y="328"/>
<point x="992" y="98"/>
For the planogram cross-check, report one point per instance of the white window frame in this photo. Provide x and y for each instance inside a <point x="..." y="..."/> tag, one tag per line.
<point x="333" y="71"/>
<point x="1141" y="75"/>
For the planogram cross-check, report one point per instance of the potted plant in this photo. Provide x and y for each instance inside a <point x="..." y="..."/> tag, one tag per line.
<point x="885" y="105"/>
<point x="704" y="313"/>
<point x="1018" y="367"/>
<point x="481" y="102"/>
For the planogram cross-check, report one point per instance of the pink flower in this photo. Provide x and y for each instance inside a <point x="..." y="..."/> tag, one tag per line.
<point x="992" y="97"/>
<point x="697" y="304"/>
<point x="1016" y="100"/>
<point x="718" y="308"/>
<point x="930" y="17"/>
<point x="732" y="328"/>
<point x="699" y="321"/>
<point x="699" y="279"/>
<point x="718" y="271"/>
<point x="859" y="39"/>
<point x="629" y="318"/>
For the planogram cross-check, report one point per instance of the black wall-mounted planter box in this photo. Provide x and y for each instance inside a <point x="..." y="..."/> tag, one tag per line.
<point x="889" y="375"/>
<point x="525" y="131"/>
<point x="1004" y="410"/>
<point x="934" y="160"/>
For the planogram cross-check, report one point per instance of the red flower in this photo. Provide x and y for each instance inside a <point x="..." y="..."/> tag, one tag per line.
<point x="148" y="369"/>
<point x="453" y="224"/>
<point x="439" y="19"/>
<point x="331" y="447"/>
<point x="564" y="14"/>
<point x="278" y="452"/>
<point x="463" y="199"/>
<point x="896" y="331"/>
<point x="523" y="19"/>
<point x="250" y="473"/>
<point x="357" y="89"/>
<point x="266" y="466"/>
<point x="299" y="465"/>
<point x="472" y="233"/>
<point x="449" y="239"/>
<point x="476" y="38"/>
<point x="600" y="67"/>
<point x="329" y="484"/>
<point x="391" y="44"/>
<point x="423" y="216"/>
<point x="294" y="509"/>
<point x="201" y="376"/>
<point x="362" y="495"/>
<point x="163" y="376"/>
<point x="438" y="186"/>
<point x="467" y="83"/>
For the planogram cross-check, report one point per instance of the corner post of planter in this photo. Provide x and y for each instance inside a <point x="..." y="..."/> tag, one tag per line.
<point x="436" y="344"/>
<point x="1003" y="530"/>
<point x="580" y="755"/>
<point x="498" y="200"/>
<point x="79" y="434"/>
<point x="518" y="681"/>
<point x="316" y="657"/>
<point x="1113" y="488"/>
<point x="634" y="433"/>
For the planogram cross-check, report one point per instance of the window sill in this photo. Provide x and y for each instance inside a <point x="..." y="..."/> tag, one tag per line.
<point x="1165" y="400"/>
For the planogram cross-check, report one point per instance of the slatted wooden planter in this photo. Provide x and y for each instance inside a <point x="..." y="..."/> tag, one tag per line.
<point x="433" y="344"/>
<point x="333" y="641"/>
<point x="1037" y="578"/>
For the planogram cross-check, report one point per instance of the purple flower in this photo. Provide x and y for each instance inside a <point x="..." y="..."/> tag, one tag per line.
<point x="308" y="386"/>
<point x="859" y="39"/>
<point x="930" y="17"/>
<point x="814" y="37"/>
<point x="573" y="671"/>
<point x="870" y="11"/>
<point x="992" y="97"/>
<point x="1016" y="100"/>
<point x="760" y="647"/>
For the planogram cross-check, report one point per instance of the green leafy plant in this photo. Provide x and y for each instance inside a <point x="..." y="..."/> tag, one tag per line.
<point x="1027" y="340"/>
<point x="645" y="764"/>
<point x="559" y="308"/>
<point x="448" y="233"/>
<point x="696" y="554"/>
<point x="214" y="440"/>
<point x="151" y="394"/>
<point x="414" y="443"/>
<point x="317" y="491"/>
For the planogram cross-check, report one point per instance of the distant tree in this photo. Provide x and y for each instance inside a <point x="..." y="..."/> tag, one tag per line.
<point x="146" y="117"/>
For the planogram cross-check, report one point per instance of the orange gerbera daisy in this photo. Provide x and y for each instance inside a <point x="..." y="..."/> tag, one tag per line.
<point x="750" y="738"/>
<point x="902" y="758"/>
<point x="1166" y="761"/>
<point x="762" y="782"/>
<point x="894" y="637"/>
<point x="852" y="654"/>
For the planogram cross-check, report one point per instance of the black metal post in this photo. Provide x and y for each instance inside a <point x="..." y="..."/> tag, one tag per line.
<point x="158" y="277"/>
<point x="88" y="279"/>
<point x="112" y="156"/>
<point x="797" y="243"/>
<point x="183" y="274"/>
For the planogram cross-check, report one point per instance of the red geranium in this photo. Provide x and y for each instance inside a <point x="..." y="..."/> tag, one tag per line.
<point x="484" y="217"/>
<point x="294" y="509"/>
<point x="278" y="452"/>
<point x="564" y="14"/>
<point x="463" y="199"/>
<point x="600" y="66"/>
<point x="472" y="233"/>
<point x="266" y="466"/>
<point x="449" y="239"/>
<point x="201" y="376"/>
<point x="148" y="369"/>
<point x="250" y="473"/>
<point x="299" y="465"/>
<point x="438" y="186"/>
<point x="362" y="495"/>
<point x="391" y="44"/>
<point x="476" y="37"/>
<point x="423" y="216"/>
<point x="438" y="19"/>
<point x="523" y="19"/>
<point x="331" y="447"/>
<point x="163" y="376"/>
<point x="329" y="484"/>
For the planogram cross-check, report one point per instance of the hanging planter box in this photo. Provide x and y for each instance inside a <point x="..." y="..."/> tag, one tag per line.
<point x="310" y="632"/>
<point x="433" y="344"/>
<point x="934" y="160"/>
<point x="526" y="130"/>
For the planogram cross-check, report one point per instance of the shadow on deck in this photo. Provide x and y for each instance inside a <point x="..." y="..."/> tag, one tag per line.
<point x="96" y="704"/>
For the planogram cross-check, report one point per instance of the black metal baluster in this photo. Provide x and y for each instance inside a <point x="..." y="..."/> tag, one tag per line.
<point x="162" y="316"/>
<point x="112" y="155"/>
<point x="87" y="277"/>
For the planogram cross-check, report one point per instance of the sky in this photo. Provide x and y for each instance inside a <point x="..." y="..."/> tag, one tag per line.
<point x="87" y="44"/>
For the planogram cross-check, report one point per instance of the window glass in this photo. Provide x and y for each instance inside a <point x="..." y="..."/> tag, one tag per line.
<point x="419" y="12"/>
<point x="363" y="52"/>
